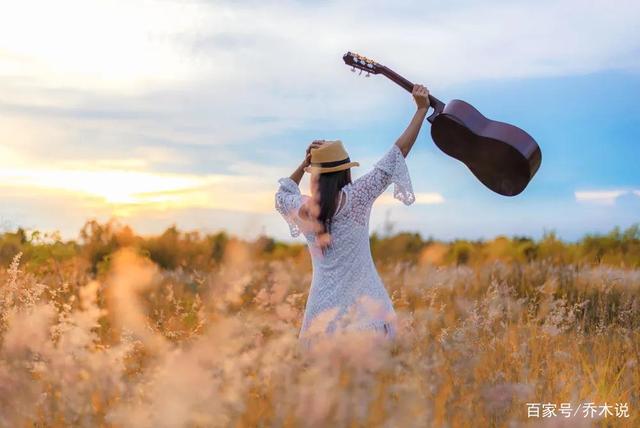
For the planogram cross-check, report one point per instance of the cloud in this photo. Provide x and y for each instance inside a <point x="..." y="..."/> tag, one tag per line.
<point x="216" y="73"/>
<point x="603" y="197"/>
<point x="102" y="46"/>
<point x="234" y="61"/>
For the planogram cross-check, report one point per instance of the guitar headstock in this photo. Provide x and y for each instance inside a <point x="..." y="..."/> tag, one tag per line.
<point x="362" y="63"/>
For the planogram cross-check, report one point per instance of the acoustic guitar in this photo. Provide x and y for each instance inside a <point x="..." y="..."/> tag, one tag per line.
<point x="502" y="156"/>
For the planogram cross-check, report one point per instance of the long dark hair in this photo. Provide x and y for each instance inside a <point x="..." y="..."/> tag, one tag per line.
<point x="329" y="186"/>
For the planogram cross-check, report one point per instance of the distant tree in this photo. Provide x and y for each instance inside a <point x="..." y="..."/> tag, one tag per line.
<point x="218" y="244"/>
<point x="100" y="240"/>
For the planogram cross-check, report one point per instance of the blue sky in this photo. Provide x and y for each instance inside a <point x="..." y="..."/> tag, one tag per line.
<point x="191" y="111"/>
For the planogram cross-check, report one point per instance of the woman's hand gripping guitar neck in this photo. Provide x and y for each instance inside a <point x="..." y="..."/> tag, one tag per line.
<point x="408" y="137"/>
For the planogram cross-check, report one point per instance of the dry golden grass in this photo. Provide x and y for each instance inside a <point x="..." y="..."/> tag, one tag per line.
<point x="142" y="347"/>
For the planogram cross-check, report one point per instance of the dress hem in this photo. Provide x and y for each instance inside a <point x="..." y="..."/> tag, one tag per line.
<point x="387" y="327"/>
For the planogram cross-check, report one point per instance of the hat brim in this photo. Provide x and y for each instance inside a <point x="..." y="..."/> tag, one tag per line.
<point x="320" y="170"/>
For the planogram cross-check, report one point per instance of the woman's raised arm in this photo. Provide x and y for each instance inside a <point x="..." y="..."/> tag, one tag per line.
<point x="408" y="137"/>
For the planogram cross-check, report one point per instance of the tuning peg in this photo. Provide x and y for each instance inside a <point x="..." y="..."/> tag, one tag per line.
<point x="353" y="69"/>
<point x="360" y="73"/>
<point x="366" y="75"/>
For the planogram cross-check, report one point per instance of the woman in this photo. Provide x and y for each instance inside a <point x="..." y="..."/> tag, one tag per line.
<point x="346" y="290"/>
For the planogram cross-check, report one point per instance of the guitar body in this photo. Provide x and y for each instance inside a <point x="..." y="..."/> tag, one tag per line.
<point x="503" y="157"/>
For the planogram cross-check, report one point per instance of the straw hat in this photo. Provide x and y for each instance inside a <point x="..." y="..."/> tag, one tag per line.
<point x="329" y="157"/>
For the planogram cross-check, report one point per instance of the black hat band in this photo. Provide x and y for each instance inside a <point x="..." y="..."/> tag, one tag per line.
<point x="331" y="164"/>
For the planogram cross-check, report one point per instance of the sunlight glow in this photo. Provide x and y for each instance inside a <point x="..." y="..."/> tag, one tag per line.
<point x="115" y="187"/>
<point x="127" y="192"/>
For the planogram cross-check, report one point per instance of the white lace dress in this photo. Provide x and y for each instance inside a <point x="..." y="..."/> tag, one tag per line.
<point x="345" y="280"/>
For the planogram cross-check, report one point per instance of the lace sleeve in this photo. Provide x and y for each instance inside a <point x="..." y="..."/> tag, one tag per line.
<point x="391" y="168"/>
<point x="288" y="201"/>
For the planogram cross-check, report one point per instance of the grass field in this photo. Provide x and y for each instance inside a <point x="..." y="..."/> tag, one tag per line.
<point x="185" y="330"/>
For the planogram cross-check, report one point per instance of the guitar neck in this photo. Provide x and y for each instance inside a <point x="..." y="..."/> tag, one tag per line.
<point x="437" y="105"/>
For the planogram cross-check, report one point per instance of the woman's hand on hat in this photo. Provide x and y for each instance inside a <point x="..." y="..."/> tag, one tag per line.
<point x="421" y="96"/>
<point x="313" y="145"/>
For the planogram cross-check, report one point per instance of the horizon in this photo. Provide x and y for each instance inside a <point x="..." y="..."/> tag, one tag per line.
<point x="49" y="237"/>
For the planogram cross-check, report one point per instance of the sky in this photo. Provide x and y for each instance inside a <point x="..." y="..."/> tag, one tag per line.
<point x="187" y="112"/>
